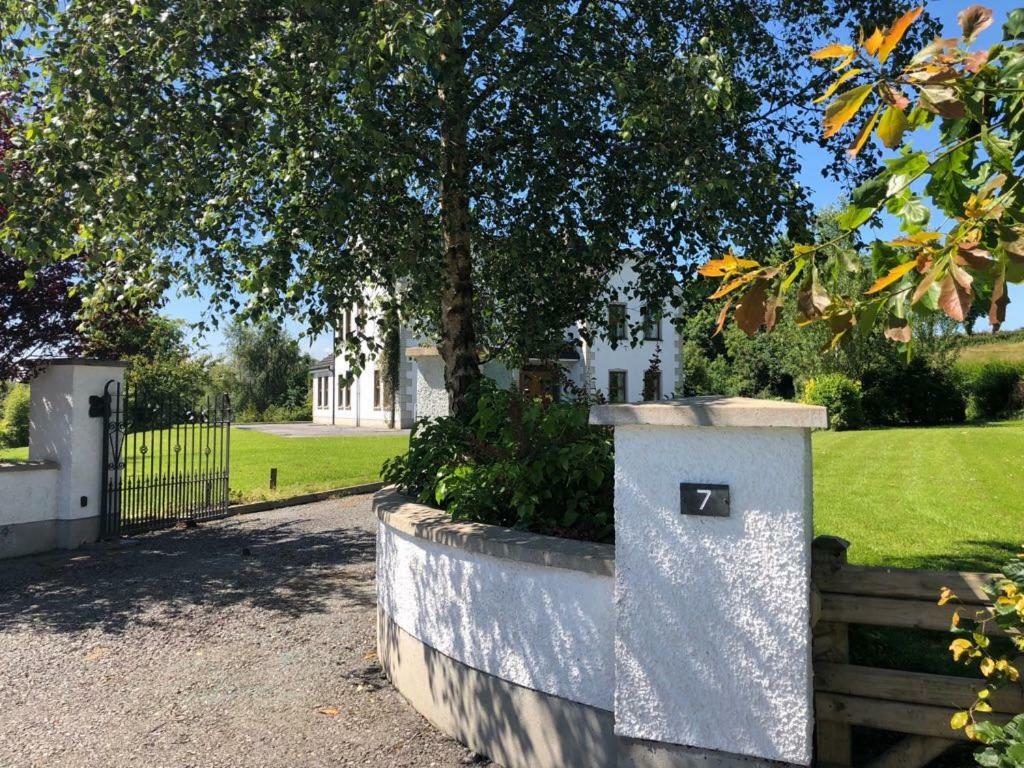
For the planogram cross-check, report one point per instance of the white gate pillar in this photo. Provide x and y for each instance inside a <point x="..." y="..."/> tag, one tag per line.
<point x="62" y="431"/>
<point x="713" y="636"/>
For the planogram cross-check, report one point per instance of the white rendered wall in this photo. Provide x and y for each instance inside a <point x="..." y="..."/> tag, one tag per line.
<point x="28" y="495"/>
<point x="712" y="626"/>
<point x="549" y="629"/>
<point x="62" y="430"/>
<point x="431" y="396"/>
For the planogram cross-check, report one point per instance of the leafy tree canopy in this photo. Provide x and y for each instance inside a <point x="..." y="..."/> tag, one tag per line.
<point x="495" y="159"/>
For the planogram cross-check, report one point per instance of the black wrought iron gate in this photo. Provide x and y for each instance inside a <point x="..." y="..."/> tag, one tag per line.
<point x="164" y="461"/>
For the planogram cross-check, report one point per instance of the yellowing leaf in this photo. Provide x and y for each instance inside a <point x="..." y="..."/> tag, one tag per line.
<point x="862" y="135"/>
<point x="982" y="706"/>
<point x="725" y="266"/>
<point x="891" y="276"/>
<point x="834" y="51"/>
<point x="839" y="81"/>
<point x="946" y="595"/>
<point x="987" y="667"/>
<point x="892" y="126"/>
<point x="954" y="298"/>
<point x="959" y="720"/>
<point x="873" y="42"/>
<point x="959" y="647"/>
<point x="844" y="107"/>
<point x="329" y="711"/>
<point x="729" y="287"/>
<point x="984" y="693"/>
<point x="895" y="33"/>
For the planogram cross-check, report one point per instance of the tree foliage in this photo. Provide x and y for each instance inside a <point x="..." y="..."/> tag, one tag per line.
<point x="269" y="368"/>
<point x="958" y="206"/>
<point x="498" y="158"/>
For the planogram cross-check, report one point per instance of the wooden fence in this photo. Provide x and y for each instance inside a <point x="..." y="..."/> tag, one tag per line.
<point x="913" y="703"/>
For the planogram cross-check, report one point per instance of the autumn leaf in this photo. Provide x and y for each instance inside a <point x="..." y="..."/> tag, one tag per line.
<point x="862" y="135"/>
<point x="976" y="61"/>
<point x="725" y="266"/>
<point x="959" y="720"/>
<point x="942" y="101"/>
<point x="974" y="20"/>
<point x="891" y="277"/>
<point x="895" y="33"/>
<point x="954" y="298"/>
<point x="834" y="51"/>
<point x="892" y="126"/>
<point x="924" y="286"/>
<point x="1000" y="298"/>
<point x="729" y="287"/>
<point x="844" y="107"/>
<point x="872" y="43"/>
<point x="959" y="647"/>
<point x="750" y="312"/>
<point x="896" y="97"/>
<point x="839" y="81"/>
<point x="722" y="317"/>
<point x="329" y="711"/>
<point x="898" y="329"/>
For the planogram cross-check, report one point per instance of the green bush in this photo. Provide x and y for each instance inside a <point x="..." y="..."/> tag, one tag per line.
<point x="14" y="427"/>
<point x="840" y="395"/>
<point x="917" y="392"/>
<point x="993" y="388"/>
<point x="519" y="463"/>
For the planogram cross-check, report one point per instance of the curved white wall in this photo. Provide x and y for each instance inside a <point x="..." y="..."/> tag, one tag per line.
<point x="549" y="629"/>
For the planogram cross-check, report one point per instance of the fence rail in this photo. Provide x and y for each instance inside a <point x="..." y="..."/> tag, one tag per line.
<point x="914" y="703"/>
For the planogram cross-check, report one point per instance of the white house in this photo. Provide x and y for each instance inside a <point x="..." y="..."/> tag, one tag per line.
<point x="617" y="370"/>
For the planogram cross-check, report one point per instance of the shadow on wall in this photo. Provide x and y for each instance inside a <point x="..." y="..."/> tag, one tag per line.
<point x="519" y="643"/>
<point x="278" y="567"/>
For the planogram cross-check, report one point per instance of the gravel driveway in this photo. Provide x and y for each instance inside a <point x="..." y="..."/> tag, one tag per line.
<point x="246" y="642"/>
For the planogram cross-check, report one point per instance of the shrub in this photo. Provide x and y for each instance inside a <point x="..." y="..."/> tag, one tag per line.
<point x="14" y="428"/>
<point x="915" y="393"/>
<point x="993" y="388"/>
<point x="519" y="463"/>
<point x="841" y="395"/>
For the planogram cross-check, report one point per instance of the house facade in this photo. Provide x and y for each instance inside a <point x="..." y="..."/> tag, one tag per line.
<point x="608" y="364"/>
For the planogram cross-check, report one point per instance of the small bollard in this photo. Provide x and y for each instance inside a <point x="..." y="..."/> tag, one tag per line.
<point x="273" y="478"/>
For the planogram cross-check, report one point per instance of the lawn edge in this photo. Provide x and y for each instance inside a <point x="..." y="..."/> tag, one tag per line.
<point x="305" y="498"/>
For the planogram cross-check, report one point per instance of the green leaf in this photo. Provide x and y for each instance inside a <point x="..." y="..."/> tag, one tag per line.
<point x="946" y="185"/>
<point x="999" y="149"/>
<point x="892" y="126"/>
<point x="863" y="203"/>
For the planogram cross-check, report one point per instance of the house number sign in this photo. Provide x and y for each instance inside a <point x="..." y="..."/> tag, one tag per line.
<point x="707" y="499"/>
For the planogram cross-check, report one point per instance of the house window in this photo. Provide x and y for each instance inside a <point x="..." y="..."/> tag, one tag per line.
<point x="616" y="322"/>
<point x="319" y="392"/>
<point x="616" y="386"/>
<point x="381" y="401"/>
<point x="347" y="329"/>
<point x="652" y="385"/>
<point x="344" y="394"/>
<point x="652" y="323"/>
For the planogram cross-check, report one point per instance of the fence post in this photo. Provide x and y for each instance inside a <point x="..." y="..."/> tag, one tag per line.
<point x="713" y="534"/>
<point x="832" y="644"/>
<point x="62" y="430"/>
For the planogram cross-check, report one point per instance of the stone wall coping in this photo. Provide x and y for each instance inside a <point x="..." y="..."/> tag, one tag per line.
<point x="88" y="361"/>
<point x="401" y="513"/>
<point x="27" y="466"/>
<point x="712" y="411"/>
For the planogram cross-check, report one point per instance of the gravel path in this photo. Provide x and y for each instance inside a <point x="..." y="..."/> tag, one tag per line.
<point x="247" y="642"/>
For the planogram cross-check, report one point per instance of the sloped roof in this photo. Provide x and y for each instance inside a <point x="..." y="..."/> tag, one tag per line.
<point x="325" y="363"/>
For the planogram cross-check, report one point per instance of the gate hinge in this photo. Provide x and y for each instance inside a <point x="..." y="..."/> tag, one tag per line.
<point x="99" y="406"/>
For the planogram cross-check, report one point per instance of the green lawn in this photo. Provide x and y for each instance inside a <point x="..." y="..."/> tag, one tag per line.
<point x="948" y="497"/>
<point x="941" y="497"/>
<point x="304" y="464"/>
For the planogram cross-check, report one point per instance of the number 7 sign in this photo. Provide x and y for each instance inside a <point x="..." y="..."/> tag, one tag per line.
<point x="705" y="499"/>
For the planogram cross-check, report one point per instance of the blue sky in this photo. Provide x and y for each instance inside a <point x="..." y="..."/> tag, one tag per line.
<point x="823" y="193"/>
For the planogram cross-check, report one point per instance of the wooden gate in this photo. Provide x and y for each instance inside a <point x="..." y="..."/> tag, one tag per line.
<point x="164" y="461"/>
<point x="913" y="703"/>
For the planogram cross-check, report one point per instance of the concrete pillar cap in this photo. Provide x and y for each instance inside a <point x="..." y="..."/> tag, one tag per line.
<point x="712" y="411"/>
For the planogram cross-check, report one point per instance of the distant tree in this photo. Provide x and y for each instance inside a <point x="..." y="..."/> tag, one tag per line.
<point x="270" y="369"/>
<point x="141" y="333"/>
